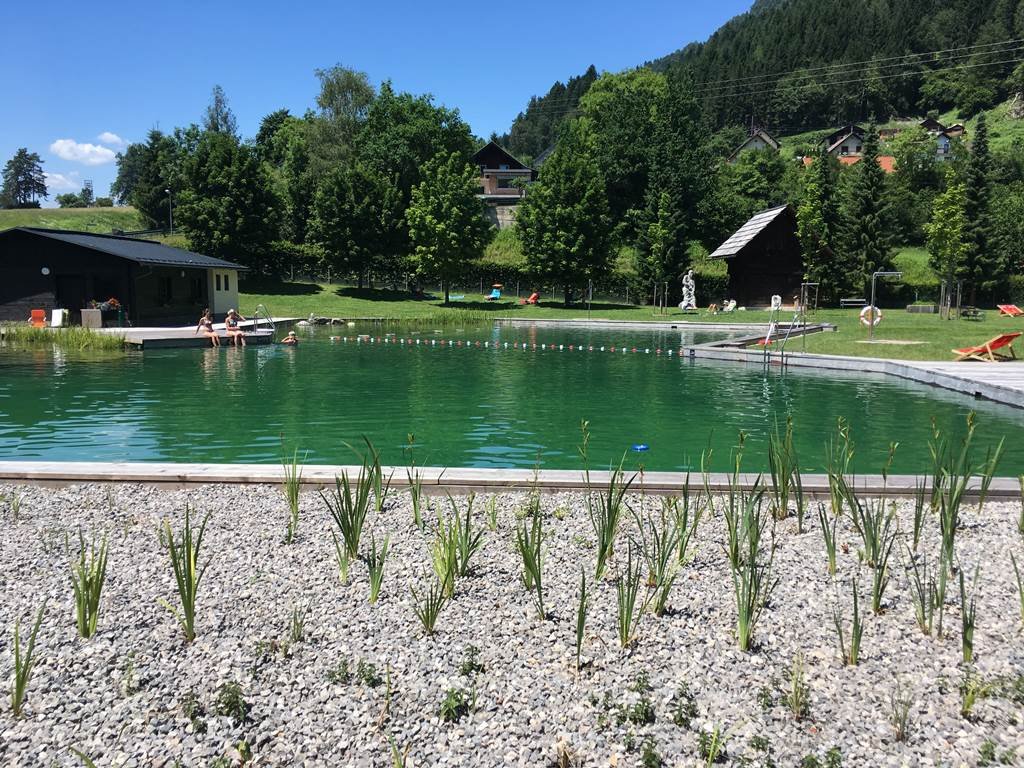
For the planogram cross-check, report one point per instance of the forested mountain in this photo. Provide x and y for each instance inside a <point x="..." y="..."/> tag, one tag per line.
<point x="797" y="63"/>
<point x="536" y="129"/>
<point x="792" y="64"/>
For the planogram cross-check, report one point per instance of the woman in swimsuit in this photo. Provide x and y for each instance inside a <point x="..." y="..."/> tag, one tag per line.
<point x="206" y="326"/>
<point x="231" y="324"/>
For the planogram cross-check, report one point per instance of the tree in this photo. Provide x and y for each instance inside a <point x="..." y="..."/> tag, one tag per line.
<point x="564" y="222"/>
<point x="219" y="118"/>
<point x="343" y="102"/>
<point x="982" y="266"/>
<point x="446" y="220"/>
<point x="1008" y="225"/>
<point x="915" y="152"/>
<point x="227" y="205"/>
<point x="353" y="220"/>
<point x="23" y="180"/>
<point x="867" y="234"/>
<point x="268" y="148"/>
<point x="947" y="234"/>
<point x="151" y="170"/>
<point x="130" y="167"/>
<point x="69" y="200"/>
<point x="818" y="229"/>
<point x="621" y="109"/>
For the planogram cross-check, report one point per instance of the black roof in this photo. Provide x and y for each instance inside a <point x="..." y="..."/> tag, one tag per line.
<point x="131" y="248"/>
<point x="492" y="155"/>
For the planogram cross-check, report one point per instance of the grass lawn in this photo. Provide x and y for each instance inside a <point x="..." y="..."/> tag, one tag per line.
<point x="100" y="220"/>
<point x="898" y="326"/>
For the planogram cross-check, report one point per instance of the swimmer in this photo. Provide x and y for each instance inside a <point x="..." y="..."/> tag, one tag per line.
<point x="291" y="338"/>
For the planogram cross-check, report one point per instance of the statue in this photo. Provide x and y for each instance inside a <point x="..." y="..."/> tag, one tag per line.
<point x="689" y="292"/>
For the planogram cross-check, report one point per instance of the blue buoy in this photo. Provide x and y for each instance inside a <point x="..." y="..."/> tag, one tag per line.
<point x="641" y="447"/>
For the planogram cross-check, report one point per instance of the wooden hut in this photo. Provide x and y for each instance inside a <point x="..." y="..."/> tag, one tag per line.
<point x="764" y="258"/>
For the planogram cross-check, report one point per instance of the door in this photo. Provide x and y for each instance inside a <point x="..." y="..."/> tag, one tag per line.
<point x="70" y="294"/>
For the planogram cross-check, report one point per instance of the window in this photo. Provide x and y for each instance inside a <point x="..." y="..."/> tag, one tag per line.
<point x="195" y="290"/>
<point x="845" y="150"/>
<point x="503" y="167"/>
<point x="226" y="288"/>
<point x="218" y="281"/>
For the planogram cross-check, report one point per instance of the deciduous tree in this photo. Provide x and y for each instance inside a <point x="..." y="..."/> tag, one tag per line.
<point x="947" y="232"/>
<point x="564" y="223"/>
<point x="447" y="227"/>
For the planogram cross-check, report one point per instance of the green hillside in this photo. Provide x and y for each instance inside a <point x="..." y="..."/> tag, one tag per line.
<point x="101" y="220"/>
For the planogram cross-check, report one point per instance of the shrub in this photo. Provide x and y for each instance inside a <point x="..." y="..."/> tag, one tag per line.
<point x="231" y="703"/>
<point x="455" y="705"/>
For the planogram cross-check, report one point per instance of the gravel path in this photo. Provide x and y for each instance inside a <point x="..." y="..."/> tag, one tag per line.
<point x="124" y="698"/>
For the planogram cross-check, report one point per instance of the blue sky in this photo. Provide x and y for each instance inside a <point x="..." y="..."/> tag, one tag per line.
<point x="91" y="76"/>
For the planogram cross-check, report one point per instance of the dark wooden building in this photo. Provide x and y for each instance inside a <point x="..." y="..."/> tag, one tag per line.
<point x="156" y="284"/>
<point x="764" y="259"/>
<point x="503" y="180"/>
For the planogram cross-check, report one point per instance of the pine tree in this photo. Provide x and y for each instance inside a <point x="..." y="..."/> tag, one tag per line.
<point x="564" y="223"/>
<point x="818" y="229"/>
<point x="23" y="181"/>
<point x="983" y="268"/>
<point x="219" y="118"/>
<point x="447" y="226"/>
<point x="867" y="230"/>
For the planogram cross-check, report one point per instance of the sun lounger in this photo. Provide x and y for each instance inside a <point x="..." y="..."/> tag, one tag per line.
<point x="38" y="318"/>
<point x="494" y="295"/>
<point x="986" y="352"/>
<point x="1009" y="310"/>
<point x="533" y="299"/>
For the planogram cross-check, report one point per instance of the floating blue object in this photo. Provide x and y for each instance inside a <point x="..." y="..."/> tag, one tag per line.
<point x="641" y="447"/>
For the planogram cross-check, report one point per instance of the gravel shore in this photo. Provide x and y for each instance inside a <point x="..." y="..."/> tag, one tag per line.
<point x="137" y="695"/>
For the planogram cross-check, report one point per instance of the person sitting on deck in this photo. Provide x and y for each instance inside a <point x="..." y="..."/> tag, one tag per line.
<point x="206" y="326"/>
<point x="231" y="325"/>
<point x="292" y="339"/>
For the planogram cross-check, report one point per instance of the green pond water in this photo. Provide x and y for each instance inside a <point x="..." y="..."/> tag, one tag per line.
<point x="468" y="405"/>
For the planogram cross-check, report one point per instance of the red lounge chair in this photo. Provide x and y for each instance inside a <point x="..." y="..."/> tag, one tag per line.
<point x="534" y="298"/>
<point x="986" y="352"/>
<point x="38" y="319"/>
<point x="1010" y="310"/>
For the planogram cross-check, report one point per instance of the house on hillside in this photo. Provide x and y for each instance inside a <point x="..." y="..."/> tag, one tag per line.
<point x="757" y="140"/>
<point x="955" y="131"/>
<point x="932" y="125"/>
<point x="887" y="162"/>
<point x="848" y="140"/>
<point x="764" y="259"/>
<point x="503" y="180"/>
<point x="944" y="136"/>
<point x="155" y="284"/>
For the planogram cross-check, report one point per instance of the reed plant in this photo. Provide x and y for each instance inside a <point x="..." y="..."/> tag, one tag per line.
<point x="297" y="625"/>
<point x="1020" y="586"/>
<point x="375" y="560"/>
<point x="292" y="485"/>
<point x="900" y="703"/>
<point x="752" y="575"/>
<point x="428" y="605"/>
<point x="70" y="338"/>
<point x="628" y="586"/>
<point x="839" y="454"/>
<point x="927" y="591"/>
<point x="785" y="473"/>
<point x="877" y="523"/>
<point x="88" y="574"/>
<point x="952" y="471"/>
<point x="14" y="503"/>
<point x="920" y="512"/>
<point x="491" y="513"/>
<point x="380" y="485"/>
<point x="188" y="573"/>
<point x="828" y="524"/>
<point x="349" y="506"/>
<point x="659" y="546"/>
<point x="530" y="545"/>
<point x="687" y="514"/>
<point x="24" y="662"/>
<point x="972" y="689"/>
<point x="581" y="617"/>
<point x="797" y="697"/>
<point x="606" y="514"/>
<point x="850" y="653"/>
<point x="968" y="615"/>
<point x="341" y="558"/>
<point x="414" y="479"/>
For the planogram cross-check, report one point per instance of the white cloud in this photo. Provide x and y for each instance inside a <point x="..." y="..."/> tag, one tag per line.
<point x="112" y="140"/>
<point x="87" y="154"/>
<point x="60" y="182"/>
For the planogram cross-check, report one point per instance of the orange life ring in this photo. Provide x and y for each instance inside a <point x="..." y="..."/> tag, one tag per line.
<point x="870" y="315"/>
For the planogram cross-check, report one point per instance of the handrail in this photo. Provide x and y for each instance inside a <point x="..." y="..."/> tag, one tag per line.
<point x="262" y="309"/>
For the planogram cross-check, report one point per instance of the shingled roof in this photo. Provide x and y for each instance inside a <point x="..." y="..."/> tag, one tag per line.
<point x="743" y="236"/>
<point x="132" y="249"/>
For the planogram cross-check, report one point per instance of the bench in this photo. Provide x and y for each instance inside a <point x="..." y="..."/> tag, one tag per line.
<point x="848" y="303"/>
<point x="971" y="313"/>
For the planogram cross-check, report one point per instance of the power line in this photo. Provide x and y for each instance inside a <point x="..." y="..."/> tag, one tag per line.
<point x="841" y="65"/>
